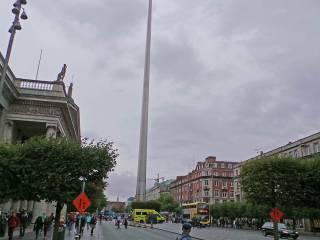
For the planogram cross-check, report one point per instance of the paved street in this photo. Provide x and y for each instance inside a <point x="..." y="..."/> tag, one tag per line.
<point x="108" y="231"/>
<point x="224" y="233"/>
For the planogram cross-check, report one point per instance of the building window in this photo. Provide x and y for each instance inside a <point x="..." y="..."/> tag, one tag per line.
<point x="295" y="153"/>
<point x="216" y="193"/>
<point x="231" y="184"/>
<point x="224" y="184"/>
<point x="205" y="173"/>
<point x="231" y="194"/>
<point x="216" y="183"/>
<point x="316" y="147"/>
<point x="222" y="165"/>
<point x="224" y="174"/>
<point x="215" y="173"/>
<point x="215" y="165"/>
<point x="206" y="193"/>
<point x="206" y="182"/>
<point x="306" y="150"/>
<point x="224" y="194"/>
<point x="230" y="166"/>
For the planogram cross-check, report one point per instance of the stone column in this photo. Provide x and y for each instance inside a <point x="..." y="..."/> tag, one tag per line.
<point x="16" y="206"/>
<point x="30" y="206"/>
<point x="7" y="206"/>
<point x="8" y="131"/>
<point x="24" y="205"/>
<point x="3" y="116"/>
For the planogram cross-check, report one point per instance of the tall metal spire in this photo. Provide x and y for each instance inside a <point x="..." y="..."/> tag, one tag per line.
<point x="142" y="164"/>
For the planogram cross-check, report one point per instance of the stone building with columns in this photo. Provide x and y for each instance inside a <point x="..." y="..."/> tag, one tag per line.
<point x="35" y="108"/>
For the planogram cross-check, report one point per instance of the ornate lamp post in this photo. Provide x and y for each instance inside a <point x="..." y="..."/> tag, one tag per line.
<point x="17" y="6"/>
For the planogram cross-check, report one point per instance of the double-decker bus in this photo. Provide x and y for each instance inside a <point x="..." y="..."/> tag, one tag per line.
<point x="197" y="210"/>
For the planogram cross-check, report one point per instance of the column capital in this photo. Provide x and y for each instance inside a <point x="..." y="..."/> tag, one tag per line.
<point x="51" y="125"/>
<point x="51" y="130"/>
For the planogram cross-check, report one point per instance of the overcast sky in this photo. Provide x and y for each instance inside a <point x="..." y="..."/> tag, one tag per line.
<point x="228" y="78"/>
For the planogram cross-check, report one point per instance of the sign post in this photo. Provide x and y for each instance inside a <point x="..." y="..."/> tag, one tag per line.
<point x="276" y="215"/>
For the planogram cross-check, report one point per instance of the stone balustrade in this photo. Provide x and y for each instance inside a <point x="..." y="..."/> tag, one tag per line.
<point x="36" y="85"/>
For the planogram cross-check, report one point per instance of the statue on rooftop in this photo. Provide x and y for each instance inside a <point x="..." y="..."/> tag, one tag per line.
<point x="62" y="74"/>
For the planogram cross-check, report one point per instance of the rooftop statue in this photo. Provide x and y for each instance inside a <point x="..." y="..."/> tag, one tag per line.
<point x="62" y="74"/>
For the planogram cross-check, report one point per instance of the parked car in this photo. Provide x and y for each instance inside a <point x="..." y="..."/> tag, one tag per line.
<point x="267" y="229"/>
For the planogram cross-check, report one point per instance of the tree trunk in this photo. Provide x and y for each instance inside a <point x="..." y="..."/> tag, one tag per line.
<point x="57" y="221"/>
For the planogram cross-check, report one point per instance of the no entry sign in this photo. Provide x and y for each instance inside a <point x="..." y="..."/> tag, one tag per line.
<point x="276" y="214"/>
<point x="82" y="202"/>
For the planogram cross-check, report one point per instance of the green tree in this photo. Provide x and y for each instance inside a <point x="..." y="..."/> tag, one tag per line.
<point x="156" y="205"/>
<point x="50" y="169"/>
<point x="311" y="182"/>
<point x="168" y="204"/>
<point x="274" y="182"/>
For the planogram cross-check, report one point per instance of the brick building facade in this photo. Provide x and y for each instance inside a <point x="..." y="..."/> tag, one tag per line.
<point x="211" y="181"/>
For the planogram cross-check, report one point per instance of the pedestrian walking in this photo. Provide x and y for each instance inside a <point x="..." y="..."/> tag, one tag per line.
<point x="118" y="221"/>
<point x="88" y="219"/>
<point x="125" y="223"/>
<point x="46" y="226"/>
<point x="77" y="223"/>
<point x="13" y="223"/>
<point x="3" y="223"/>
<point x="83" y="222"/>
<point x="51" y="220"/>
<point x="93" y="223"/>
<point x="70" y="221"/>
<point x="38" y="225"/>
<point x="24" y="223"/>
<point x="186" y="229"/>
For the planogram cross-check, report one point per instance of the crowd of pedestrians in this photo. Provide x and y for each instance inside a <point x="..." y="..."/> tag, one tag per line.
<point x="238" y="223"/>
<point x="78" y="222"/>
<point x="20" y="221"/>
<point x="121" y="220"/>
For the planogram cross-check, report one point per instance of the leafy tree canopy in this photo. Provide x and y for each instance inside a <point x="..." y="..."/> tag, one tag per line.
<point x="274" y="181"/>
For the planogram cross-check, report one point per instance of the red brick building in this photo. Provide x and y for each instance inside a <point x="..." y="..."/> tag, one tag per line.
<point x="116" y="206"/>
<point x="211" y="181"/>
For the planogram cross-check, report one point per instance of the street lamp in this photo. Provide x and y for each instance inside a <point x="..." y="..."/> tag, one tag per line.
<point x="17" y="6"/>
<point x="83" y="179"/>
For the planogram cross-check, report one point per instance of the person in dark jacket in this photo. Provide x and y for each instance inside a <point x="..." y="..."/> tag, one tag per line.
<point x="38" y="225"/>
<point x="186" y="229"/>
<point x="83" y="221"/>
<point x="13" y="223"/>
<point x="46" y="226"/>
<point x="24" y="223"/>
<point x="93" y="223"/>
<point x="125" y="223"/>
